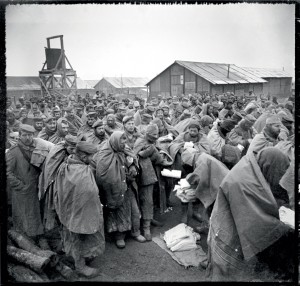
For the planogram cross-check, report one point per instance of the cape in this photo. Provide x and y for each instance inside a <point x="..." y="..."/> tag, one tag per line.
<point x="76" y="199"/>
<point x="207" y="177"/>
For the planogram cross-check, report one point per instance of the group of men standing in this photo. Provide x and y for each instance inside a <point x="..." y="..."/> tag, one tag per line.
<point x="90" y="166"/>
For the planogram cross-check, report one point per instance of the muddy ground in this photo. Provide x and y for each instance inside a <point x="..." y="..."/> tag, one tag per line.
<point x="141" y="262"/>
<point x="147" y="262"/>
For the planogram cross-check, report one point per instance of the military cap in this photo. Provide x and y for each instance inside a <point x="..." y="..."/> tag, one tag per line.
<point x="98" y="106"/>
<point x="185" y="104"/>
<point x="71" y="140"/>
<point x="27" y="128"/>
<point x="274" y="119"/>
<point x="86" y="147"/>
<point x="46" y="120"/>
<point x="147" y="115"/>
<point x="150" y="108"/>
<point x="38" y="119"/>
<point x="127" y="118"/>
<point x="68" y="108"/>
<point x="110" y="111"/>
<point x="159" y="108"/>
<point x="179" y="109"/>
<point x="56" y="109"/>
<point x="194" y="124"/>
<point x="99" y="122"/>
<point x="92" y="113"/>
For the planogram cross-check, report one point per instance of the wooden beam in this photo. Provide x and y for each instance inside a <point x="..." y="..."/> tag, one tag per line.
<point x="68" y="62"/>
<point x="54" y="37"/>
<point x="44" y="86"/>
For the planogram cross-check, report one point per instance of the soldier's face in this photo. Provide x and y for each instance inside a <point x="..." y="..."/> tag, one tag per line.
<point x="100" y="130"/>
<point x="51" y="125"/>
<point x="26" y="138"/>
<point x="38" y="125"/>
<point x="160" y="114"/>
<point x="129" y="126"/>
<point x="65" y="128"/>
<point x="57" y="114"/>
<point x="70" y="149"/>
<point x="91" y="120"/>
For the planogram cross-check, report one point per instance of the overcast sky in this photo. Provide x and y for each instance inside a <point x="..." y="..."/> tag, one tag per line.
<point x="142" y="40"/>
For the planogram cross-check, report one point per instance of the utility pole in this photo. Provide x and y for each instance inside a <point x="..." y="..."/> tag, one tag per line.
<point x="228" y="71"/>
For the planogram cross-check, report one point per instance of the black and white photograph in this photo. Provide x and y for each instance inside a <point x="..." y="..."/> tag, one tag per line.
<point x="150" y="143"/>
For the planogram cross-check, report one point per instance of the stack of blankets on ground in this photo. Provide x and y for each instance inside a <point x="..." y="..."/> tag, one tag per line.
<point x="181" y="238"/>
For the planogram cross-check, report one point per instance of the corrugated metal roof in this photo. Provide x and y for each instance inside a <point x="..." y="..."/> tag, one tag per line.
<point x="127" y="82"/>
<point x="23" y="83"/>
<point x="267" y="73"/>
<point x="33" y="83"/>
<point x="83" y="84"/>
<point x="92" y="82"/>
<point x="217" y="73"/>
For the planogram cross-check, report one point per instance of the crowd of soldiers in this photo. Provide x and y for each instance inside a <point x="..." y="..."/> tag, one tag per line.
<point x="92" y="165"/>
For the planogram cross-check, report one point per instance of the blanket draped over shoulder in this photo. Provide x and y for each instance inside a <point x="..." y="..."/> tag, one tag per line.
<point x="207" y="177"/>
<point x="243" y="204"/>
<point x="77" y="203"/>
<point x="110" y="172"/>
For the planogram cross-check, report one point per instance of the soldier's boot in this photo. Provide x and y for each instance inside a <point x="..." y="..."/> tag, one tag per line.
<point x="146" y="229"/>
<point x="84" y="270"/>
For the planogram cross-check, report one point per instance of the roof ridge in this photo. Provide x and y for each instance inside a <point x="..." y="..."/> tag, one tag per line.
<point x="206" y="63"/>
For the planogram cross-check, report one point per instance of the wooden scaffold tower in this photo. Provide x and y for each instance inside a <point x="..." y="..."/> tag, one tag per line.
<point x="57" y="75"/>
